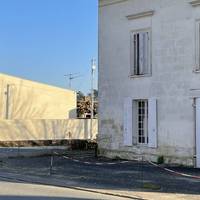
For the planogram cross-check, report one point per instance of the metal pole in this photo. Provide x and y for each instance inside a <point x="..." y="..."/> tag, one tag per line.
<point x="51" y="164"/>
<point x="70" y="79"/>
<point x="7" y="100"/>
<point x="93" y="67"/>
<point x="142" y="173"/>
<point x="92" y="92"/>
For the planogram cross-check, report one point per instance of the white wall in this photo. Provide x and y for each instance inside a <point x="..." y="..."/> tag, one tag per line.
<point x="172" y="80"/>
<point x="26" y="130"/>
<point x="32" y="100"/>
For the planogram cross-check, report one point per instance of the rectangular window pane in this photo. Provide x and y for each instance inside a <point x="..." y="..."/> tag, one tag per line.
<point x="142" y="121"/>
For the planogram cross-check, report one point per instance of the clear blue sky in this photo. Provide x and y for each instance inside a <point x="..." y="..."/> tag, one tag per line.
<point x="42" y="40"/>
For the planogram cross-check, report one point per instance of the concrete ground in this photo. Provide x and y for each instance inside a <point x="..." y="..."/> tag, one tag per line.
<point x="138" y="180"/>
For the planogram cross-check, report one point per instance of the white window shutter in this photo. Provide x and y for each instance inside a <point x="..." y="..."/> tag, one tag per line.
<point x="128" y="114"/>
<point x="198" y="132"/>
<point x="146" y="52"/>
<point x="197" y="46"/>
<point x="152" y="123"/>
<point x="141" y="53"/>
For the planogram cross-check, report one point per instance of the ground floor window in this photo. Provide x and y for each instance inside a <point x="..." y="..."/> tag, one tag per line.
<point x="141" y="121"/>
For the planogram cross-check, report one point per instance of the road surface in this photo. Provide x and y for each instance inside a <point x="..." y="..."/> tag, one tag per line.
<point x="25" y="191"/>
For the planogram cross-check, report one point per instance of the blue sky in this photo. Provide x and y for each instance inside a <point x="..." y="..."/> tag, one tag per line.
<point x="42" y="40"/>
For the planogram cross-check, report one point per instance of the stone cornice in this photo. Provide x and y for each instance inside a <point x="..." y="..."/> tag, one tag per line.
<point x="195" y="3"/>
<point x="103" y="3"/>
<point x="140" y="15"/>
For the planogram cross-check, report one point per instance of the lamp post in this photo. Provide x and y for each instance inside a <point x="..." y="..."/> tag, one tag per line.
<point x="93" y="67"/>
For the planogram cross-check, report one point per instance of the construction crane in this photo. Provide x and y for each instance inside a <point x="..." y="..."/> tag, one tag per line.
<point x="71" y="77"/>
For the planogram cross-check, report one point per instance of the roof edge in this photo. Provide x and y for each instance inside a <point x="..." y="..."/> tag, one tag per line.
<point x="36" y="82"/>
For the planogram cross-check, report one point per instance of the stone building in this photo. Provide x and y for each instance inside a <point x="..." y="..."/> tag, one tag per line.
<point x="149" y="80"/>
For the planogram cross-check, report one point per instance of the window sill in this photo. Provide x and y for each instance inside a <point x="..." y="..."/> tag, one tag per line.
<point x="138" y="146"/>
<point x="140" y="76"/>
<point x="196" y="71"/>
<point x="195" y="3"/>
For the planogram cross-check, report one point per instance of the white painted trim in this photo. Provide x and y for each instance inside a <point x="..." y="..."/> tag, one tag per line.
<point x="128" y="125"/>
<point x="195" y="3"/>
<point x="140" y="76"/>
<point x="152" y="123"/>
<point x="197" y="46"/>
<point x="196" y="70"/>
<point x="112" y="2"/>
<point x="140" y="15"/>
<point x="198" y="132"/>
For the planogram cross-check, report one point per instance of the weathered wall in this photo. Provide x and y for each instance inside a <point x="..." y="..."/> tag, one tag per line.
<point x="31" y="100"/>
<point x="172" y="80"/>
<point x="24" y="130"/>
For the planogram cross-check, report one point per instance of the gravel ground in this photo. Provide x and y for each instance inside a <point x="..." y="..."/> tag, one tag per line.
<point x="104" y="173"/>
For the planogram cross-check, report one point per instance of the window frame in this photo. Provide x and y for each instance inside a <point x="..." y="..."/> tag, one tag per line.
<point x="136" y="122"/>
<point x="132" y="67"/>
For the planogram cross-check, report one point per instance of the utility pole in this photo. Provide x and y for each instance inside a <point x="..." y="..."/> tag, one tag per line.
<point x="93" y="67"/>
<point x="7" y="93"/>
<point x="71" y="77"/>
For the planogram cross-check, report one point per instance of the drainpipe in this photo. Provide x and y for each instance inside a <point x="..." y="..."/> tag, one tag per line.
<point x="7" y="100"/>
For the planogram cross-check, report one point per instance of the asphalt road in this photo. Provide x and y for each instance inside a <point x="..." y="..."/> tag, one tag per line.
<point x="107" y="174"/>
<point x="24" y="191"/>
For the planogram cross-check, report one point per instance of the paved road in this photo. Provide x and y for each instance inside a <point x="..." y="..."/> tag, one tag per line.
<point x="123" y="176"/>
<point x="23" y="191"/>
<point x="130" y="178"/>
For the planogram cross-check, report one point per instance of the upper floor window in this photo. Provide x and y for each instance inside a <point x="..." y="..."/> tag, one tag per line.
<point x="140" y="53"/>
<point x="197" y="68"/>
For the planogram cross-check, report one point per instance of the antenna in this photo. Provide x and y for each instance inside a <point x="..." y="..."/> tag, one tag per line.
<point x="72" y="77"/>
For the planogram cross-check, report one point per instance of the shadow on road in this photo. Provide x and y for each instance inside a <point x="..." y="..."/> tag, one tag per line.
<point x="39" y="198"/>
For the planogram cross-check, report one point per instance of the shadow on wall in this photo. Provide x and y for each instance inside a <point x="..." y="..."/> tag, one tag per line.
<point x="73" y="114"/>
<point x="22" y="103"/>
<point x="27" y="101"/>
<point x="41" y="129"/>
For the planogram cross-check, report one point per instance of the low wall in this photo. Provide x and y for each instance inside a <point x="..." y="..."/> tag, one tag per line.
<point x="41" y="129"/>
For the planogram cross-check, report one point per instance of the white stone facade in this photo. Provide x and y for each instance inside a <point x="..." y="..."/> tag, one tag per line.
<point x="174" y="81"/>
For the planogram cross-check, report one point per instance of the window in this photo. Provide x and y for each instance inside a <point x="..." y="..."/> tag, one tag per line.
<point x="140" y="53"/>
<point x="197" y="46"/>
<point x="142" y="121"/>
